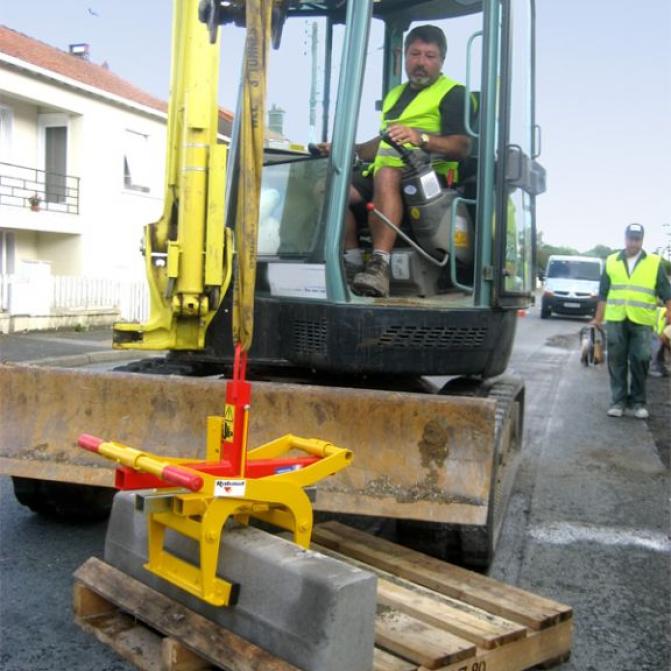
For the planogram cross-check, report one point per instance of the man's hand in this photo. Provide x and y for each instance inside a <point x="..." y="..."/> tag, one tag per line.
<point x="324" y="148"/>
<point x="404" y="135"/>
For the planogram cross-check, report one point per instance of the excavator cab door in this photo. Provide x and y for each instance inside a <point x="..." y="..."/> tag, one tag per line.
<point x="519" y="177"/>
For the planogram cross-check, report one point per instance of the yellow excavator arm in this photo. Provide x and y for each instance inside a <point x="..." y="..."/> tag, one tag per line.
<point x="188" y="251"/>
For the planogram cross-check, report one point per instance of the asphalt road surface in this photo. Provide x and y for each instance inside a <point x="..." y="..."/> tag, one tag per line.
<point x="588" y="522"/>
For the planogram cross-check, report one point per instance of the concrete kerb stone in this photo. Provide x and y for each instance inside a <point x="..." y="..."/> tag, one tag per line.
<point x="309" y="609"/>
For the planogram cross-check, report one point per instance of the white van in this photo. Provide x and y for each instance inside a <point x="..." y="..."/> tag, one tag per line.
<point x="571" y="285"/>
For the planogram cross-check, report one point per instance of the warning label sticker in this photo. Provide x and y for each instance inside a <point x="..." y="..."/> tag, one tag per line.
<point x="229" y="421"/>
<point x="234" y="488"/>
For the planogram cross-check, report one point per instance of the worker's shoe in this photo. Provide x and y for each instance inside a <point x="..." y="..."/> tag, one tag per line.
<point x="352" y="270"/>
<point x="616" y="410"/>
<point x="374" y="280"/>
<point x="640" y="411"/>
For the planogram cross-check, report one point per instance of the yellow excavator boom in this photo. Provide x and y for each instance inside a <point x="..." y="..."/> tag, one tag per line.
<point x="188" y="251"/>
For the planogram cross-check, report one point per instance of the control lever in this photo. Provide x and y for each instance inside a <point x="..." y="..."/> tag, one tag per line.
<point x="408" y="157"/>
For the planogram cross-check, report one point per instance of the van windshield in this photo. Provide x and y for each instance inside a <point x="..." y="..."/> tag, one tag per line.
<point x="575" y="270"/>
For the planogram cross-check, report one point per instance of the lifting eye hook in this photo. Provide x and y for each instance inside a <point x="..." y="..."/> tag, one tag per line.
<point x="214" y="14"/>
<point x="209" y="13"/>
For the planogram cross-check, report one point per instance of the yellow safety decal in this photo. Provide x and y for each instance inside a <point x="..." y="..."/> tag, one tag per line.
<point x="229" y="421"/>
<point x="461" y="238"/>
<point x="415" y="213"/>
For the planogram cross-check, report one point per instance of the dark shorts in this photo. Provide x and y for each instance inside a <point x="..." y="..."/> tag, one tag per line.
<point x="364" y="185"/>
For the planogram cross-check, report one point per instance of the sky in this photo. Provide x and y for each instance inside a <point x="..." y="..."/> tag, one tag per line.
<point x="603" y="96"/>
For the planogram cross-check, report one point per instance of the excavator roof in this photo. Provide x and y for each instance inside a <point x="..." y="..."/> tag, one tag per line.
<point x="408" y="10"/>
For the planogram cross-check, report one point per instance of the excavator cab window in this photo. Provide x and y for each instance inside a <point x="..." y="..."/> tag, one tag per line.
<point x="292" y="200"/>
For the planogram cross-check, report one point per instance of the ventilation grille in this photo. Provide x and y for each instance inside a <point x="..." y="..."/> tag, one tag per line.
<point x="435" y="337"/>
<point x="310" y="336"/>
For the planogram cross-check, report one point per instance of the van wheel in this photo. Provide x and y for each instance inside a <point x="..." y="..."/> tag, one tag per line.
<point x="546" y="310"/>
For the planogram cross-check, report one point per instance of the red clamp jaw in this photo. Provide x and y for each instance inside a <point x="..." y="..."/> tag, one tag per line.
<point x="236" y="416"/>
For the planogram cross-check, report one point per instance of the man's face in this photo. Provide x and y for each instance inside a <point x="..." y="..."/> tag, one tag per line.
<point x="423" y="63"/>
<point x="633" y="244"/>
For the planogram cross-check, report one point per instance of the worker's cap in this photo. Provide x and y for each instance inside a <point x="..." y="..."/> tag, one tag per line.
<point x="634" y="231"/>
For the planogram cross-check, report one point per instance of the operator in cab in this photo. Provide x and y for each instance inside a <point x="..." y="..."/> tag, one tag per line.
<point x="424" y="114"/>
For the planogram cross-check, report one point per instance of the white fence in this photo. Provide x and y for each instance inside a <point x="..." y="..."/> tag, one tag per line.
<point x="62" y="294"/>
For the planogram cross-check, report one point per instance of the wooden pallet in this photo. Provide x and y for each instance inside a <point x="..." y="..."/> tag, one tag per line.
<point x="431" y="615"/>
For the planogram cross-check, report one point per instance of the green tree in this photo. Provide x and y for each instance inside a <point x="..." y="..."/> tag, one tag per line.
<point x="602" y="251"/>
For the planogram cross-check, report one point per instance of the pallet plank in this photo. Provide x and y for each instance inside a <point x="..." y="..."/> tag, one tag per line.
<point x="384" y="661"/>
<point x="547" y="645"/>
<point x="129" y="639"/>
<point x="216" y="644"/>
<point x="472" y="628"/>
<point x="510" y="602"/>
<point x="175" y="657"/>
<point x="419" y="642"/>
<point x="87" y="603"/>
<point x="474" y="624"/>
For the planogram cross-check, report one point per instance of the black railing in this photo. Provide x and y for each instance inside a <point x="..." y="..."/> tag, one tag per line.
<point x="21" y="186"/>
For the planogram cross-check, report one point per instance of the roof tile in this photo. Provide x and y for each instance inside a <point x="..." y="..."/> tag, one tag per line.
<point x="50" y="58"/>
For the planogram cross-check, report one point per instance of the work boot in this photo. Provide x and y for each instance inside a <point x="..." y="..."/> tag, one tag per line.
<point x="352" y="270"/>
<point x="616" y="410"/>
<point x="374" y="280"/>
<point x="640" y="411"/>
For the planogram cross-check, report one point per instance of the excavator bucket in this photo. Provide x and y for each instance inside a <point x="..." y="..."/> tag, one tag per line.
<point x="422" y="457"/>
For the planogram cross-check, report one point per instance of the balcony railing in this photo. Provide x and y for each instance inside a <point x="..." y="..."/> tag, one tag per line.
<point x="21" y="186"/>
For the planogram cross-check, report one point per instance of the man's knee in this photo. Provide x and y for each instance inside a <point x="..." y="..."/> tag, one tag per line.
<point x="355" y="197"/>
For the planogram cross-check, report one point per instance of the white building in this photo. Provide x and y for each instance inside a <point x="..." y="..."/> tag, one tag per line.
<point x="82" y="156"/>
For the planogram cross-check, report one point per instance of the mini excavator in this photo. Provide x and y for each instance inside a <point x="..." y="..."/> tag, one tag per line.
<point x="414" y="384"/>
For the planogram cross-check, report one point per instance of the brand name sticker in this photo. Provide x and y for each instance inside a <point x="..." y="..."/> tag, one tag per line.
<point x="234" y="488"/>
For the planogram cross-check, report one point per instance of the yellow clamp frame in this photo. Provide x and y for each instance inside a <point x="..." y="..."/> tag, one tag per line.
<point x="276" y="499"/>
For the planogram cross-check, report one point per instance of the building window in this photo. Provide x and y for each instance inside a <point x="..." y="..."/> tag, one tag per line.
<point x="6" y="120"/>
<point x="55" y="161"/>
<point x="136" y="161"/>
<point x="53" y="158"/>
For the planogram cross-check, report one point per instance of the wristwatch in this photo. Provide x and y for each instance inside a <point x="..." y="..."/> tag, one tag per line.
<point x="424" y="140"/>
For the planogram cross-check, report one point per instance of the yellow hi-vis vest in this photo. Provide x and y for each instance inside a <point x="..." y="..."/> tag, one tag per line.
<point x="632" y="297"/>
<point x="422" y="114"/>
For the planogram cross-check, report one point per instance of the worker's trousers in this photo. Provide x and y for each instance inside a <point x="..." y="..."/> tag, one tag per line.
<point x="628" y="361"/>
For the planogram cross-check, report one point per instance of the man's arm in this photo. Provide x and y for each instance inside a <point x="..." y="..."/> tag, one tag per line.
<point x="367" y="150"/>
<point x="599" y="314"/>
<point x="663" y="290"/>
<point x="452" y="142"/>
<point x="452" y="147"/>
<point x="604" y="288"/>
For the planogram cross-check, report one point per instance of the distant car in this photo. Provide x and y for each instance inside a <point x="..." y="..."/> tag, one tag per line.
<point x="571" y="285"/>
